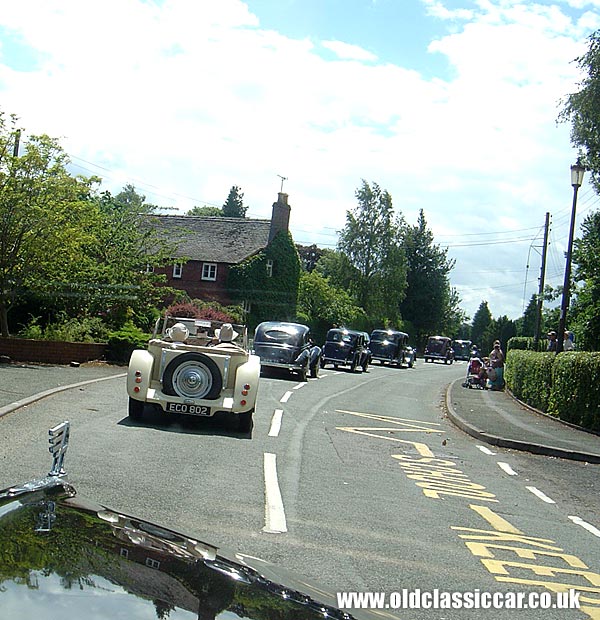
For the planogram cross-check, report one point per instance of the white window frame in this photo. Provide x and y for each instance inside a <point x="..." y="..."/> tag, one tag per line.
<point x="269" y="268"/>
<point x="152" y="563"/>
<point x="177" y="270"/>
<point x="124" y="553"/>
<point x="207" y="270"/>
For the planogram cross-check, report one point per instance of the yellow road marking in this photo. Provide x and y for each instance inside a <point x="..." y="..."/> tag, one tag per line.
<point x="421" y="448"/>
<point x="405" y="422"/>
<point x="496" y="521"/>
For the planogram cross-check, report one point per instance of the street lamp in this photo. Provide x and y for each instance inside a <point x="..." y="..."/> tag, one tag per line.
<point x="577" y="171"/>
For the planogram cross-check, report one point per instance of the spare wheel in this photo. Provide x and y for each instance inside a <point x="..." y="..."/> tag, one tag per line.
<point x="192" y="375"/>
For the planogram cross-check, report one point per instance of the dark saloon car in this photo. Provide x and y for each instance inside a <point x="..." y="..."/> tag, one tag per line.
<point x="391" y="347"/>
<point x="289" y="346"/>
<point x="439" y="348"/>
<point x="68" y="557"/>
<point x="346" y="347"/>
<point x="462" y="349"/>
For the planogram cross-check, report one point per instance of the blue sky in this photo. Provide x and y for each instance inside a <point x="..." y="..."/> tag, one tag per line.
<point x="450" y="105"/>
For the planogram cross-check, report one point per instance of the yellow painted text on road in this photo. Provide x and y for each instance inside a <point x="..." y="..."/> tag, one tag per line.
<point x="498" y="547"/>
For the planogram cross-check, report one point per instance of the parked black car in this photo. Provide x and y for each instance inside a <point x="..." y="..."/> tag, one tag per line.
<point x="65" y="556"/>
<point x="391" y="347"/>
<point x="346" y="347"/>
<point x="287" y="345"/>
<point x="439" y="348"/>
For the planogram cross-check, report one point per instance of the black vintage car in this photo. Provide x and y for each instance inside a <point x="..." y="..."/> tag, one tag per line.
<point x="346" y="347"/>
<point x="67" y="557"/>
<point x="391" y="347"/>
<point x="439" y="348"/>
<point x="462" y="349"/>
<point x="287" y="345"/>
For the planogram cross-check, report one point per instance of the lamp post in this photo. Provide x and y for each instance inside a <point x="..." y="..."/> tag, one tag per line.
<point x="577" y="171"/>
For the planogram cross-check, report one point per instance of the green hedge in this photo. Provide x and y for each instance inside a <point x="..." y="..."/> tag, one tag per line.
<point x="566" y="385"/>
<point x="576" y="389"/>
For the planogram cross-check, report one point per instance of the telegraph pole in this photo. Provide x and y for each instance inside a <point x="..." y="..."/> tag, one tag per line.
<point x="17" y="140"/>
<point x="540" y="300"/>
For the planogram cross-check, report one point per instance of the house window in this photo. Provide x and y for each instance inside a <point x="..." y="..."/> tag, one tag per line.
<point x="177" y="270"/>
<point x="209" y="271"/>
<point x="124" y="553"/>
<point x="269" y="269"/>
<point x="152" y="563"/>
<point x="149" y="268"/>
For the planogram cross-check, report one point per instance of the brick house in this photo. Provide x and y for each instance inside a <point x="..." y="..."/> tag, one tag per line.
<point x="211" y="246"/>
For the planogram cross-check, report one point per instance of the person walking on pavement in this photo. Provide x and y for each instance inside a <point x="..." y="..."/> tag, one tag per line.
<point x="497" y="363"/>
<point x="552" y="341"/>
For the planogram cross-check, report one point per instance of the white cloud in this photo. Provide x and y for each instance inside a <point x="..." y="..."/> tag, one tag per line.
<point x="347" y="51"/>
<point x="185" y="99"/>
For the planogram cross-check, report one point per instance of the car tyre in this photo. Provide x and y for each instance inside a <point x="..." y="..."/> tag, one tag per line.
<point x="135" y="408"/>
<point x="190" y="367"/>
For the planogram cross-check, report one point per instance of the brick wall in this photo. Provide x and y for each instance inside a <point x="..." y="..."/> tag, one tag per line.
<point x="51" y="352"/>
<point x="192" y="283"/>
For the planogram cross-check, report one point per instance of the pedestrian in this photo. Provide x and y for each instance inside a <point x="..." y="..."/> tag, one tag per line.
<point x="497" y="364"/>
<point x="552" y="341"/>
<point x="568" y="344"/>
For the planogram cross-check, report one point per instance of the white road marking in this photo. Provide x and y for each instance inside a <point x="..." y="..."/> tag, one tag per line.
<point x="285" y="397"/>
<point x="300" y="385"/>
<point x="274" y="513"/>
<point x="507" y="468"/>
<point x="588" y="526"/>
<point x="486" y="450"/>
<point x="276" y="423"/>
<point x="541" y="495"/>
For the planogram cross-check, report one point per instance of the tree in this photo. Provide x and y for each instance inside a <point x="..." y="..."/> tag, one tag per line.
<point x="526" y="324"/>
<point x="43" y="215"/>
<point x="372" y="244"/>
<point x="205" y="211"/>
<point x="582" y="110"/>
<point x="481" y="322"/>
<point x="234" y="206"/>
<point x="322" y="305"/>
<point x="585" y="320"/>
<point x="430" y="305"/>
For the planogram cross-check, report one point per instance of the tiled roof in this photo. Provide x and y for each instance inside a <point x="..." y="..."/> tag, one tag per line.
<point x="214" y="239"/>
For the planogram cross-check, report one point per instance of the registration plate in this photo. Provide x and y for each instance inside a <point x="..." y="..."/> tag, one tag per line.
<point x="190" y="409"/>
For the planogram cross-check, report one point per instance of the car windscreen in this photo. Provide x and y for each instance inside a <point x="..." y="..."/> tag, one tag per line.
<point x="278" y="335"/>
<point x="380" y="336"/>
<point x="435" y="345"/>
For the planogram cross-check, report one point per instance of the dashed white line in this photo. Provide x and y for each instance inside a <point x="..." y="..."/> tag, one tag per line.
<point x="285" y="397"/>
<point x="276" y="423"/>
<point x="541" y="495"/>
<point x="588" y="526"/>
<point x="275" y="522"/>
<point x="300" y="385"/>
<point x="507" y="468"/>
<point x="486" y="450"/>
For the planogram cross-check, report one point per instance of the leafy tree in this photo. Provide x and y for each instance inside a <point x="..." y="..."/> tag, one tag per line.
<point x="481" y="321"/>
<point x="234" y="205"/>
<point x="43" y="216"/>
<point x="586" y="306"/>
<point x="526" y="324"/>
<point x="501" y="329"/>
<point x="430" y="305"/>
<point x="205" y="211"/>
<point x="309" y="255"/>
<point x="322" y="305"/>
<point x="372" y="244"/>
<point x="582" y="110"/>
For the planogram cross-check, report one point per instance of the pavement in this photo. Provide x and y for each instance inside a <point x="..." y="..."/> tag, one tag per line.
<point x="24" y="383"/>
<point x="495" y="418"/>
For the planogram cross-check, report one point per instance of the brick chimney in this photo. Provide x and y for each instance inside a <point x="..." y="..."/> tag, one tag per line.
<point x="280" y="219"/>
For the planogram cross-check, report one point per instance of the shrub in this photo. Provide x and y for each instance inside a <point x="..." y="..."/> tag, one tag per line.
<point x="529" y="376"/>
<point x="576" y="391"/>
<point x="124" y="340"/>
<point x="75" y="329"/>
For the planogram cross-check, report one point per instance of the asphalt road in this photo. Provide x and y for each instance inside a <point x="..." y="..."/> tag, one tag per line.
<point x="360" y="484"/>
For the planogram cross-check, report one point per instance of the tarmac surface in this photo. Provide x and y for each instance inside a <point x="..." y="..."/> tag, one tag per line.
<point x="495" y="418"/>
<point x="499" y="419"/>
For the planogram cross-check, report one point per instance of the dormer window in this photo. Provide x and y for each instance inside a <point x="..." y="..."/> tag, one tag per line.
<point x="209" y="271"/>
